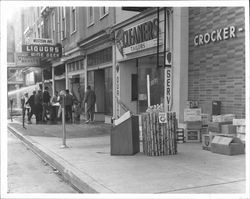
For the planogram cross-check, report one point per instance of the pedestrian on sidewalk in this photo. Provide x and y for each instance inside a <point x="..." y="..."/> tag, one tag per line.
<point x="25" y="107"/>
<point x="46" y="103"/>
<point x="38" y="106"/>
<point x="54" y="107"/>
<point x="90" y="99"/>
<point x="31" y="102"/>
<point x="68" y="106"/>
<point x="59" y="113"/>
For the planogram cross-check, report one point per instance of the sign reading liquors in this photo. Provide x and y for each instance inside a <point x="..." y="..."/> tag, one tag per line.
<point x="215" y="35"/>
<point x="49" y="51"/>
<point x="137" y="38"/>
<point x="24" y="59"/>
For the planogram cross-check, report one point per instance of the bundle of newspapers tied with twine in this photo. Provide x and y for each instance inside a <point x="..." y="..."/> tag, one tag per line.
<point x="159" y="132"/>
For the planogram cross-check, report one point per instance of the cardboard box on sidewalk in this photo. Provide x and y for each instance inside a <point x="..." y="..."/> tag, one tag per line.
<point x="227" y="145"/>
<point x="242" y="137"/>
<point x="193" y="135"/>
<point x="239" y="122"/>
<point x="228" y="129"/>
<point x="206" y="141"/>
<point x="196" y="125"/>
<point x="241" y="129"/>
<point x="191" y="115"/>
<point x="205" y="119"/>
<point x="216" y="126"/>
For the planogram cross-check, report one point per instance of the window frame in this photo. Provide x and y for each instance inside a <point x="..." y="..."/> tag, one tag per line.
<point x="53" y="24"/>
<point x="90" y="23"/>
<point x="63" y="23"/>
<point x="73" y="27"/>
<point x="102" y="15"/>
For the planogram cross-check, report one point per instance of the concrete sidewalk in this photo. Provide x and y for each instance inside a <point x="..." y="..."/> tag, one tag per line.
<point x="88" y="165"/>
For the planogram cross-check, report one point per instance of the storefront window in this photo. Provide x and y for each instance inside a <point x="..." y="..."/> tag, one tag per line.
<point x="147" y="66"/>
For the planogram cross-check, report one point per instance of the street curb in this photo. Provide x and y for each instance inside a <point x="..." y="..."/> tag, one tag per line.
<point x="70" y="173"/>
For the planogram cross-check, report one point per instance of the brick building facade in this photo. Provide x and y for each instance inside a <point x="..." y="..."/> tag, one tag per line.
<point x="216" y="68"/>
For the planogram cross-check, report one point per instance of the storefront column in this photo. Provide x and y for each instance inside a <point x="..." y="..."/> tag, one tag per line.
<point x="114" y="80"/>
<point x="85" y="79"/>
<point x="180" y="60"/>
<point x="53" y="81"/>
<point x="86" y="74"/>
<point x="66" y="76"/>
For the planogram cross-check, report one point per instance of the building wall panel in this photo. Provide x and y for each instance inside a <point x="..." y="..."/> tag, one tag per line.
<point x="217" y="69"/>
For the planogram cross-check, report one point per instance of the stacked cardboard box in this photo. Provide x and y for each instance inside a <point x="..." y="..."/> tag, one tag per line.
<point x="240" y="128"/>
<point x="227" y="145"/>
<point x="192" y="117"/>
<point x="216" y="126"/>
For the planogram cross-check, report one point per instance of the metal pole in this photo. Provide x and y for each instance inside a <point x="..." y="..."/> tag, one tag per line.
<point x="11" y="104"/>
<point x="23" y="110"/>
<point x="63" y="123"/>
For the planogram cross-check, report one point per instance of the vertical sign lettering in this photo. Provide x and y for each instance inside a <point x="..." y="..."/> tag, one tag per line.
<point x="117" y="93"/>
<point x="168" y="89"/>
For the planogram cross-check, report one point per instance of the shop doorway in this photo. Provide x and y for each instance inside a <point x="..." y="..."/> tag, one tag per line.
<point x="101" y="81"/>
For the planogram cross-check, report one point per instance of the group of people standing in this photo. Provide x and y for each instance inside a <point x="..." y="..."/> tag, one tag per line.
<point x="46" y="108"/>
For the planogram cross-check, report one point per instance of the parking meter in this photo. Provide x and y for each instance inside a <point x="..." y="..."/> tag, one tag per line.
<point x="63" y="122"/>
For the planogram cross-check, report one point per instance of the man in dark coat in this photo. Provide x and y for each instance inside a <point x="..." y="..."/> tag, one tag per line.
<point x="31" y="102"/>
<point x="46" y="103"/>
<point x="90" y="99"/>
<point x="39" y="106"/>
<point x="68" y="105"/>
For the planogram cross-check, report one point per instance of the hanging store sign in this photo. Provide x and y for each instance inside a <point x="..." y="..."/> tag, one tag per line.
<point x="48" y="51"/>
<point x="137" y="38"/>
<point x="39" y="41"/>
<point x="24" y="59"/>
<point x="215" y="36"/>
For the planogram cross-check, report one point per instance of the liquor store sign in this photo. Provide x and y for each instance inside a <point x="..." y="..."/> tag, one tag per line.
<point x="49" y="51"/>
<point x="137" y="38"/>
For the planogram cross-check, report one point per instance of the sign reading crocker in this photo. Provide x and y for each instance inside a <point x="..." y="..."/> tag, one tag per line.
<point x="43" y="50"/>
<point x="215" y="35"/>
<point x="137" y="38"/>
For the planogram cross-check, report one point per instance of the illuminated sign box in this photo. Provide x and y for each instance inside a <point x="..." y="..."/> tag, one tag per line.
<point x="24" y="59"/>
<point x="49" y="51"/>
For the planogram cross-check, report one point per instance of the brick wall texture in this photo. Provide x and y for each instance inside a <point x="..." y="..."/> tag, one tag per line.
<point x="217" y="69"/>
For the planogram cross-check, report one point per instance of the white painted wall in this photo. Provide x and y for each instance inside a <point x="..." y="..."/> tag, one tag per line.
<point x="126" y="70"/>
<point x="180" y="61"/>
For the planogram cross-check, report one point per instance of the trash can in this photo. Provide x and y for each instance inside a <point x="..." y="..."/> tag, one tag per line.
<point x="124" y="139"/>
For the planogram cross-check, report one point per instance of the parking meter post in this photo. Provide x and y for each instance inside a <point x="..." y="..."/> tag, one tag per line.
<point x="23" y="110"/>
<point x="63" y="123"/>
<point x="11" y="104"/>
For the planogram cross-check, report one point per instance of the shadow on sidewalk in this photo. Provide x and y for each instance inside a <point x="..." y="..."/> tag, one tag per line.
<point x="80" y="130"/>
